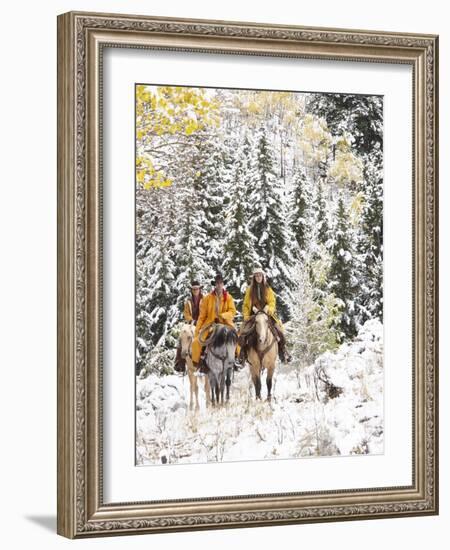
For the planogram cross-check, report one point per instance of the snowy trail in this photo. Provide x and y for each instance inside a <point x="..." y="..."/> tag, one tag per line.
<point x="300" y="421"/>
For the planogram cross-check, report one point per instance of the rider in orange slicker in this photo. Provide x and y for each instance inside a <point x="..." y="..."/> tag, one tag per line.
<point x="216" y="307"/>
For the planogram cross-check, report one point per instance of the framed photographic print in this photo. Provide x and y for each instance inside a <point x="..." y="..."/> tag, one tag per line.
<point x="247" y="274"/>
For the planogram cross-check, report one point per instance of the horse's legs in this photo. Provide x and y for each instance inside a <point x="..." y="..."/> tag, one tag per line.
<point x="228" y="383"/>
<point x="222" y="387"/>
<point x="255" y="371"/>
<point x="257" y="383"/>
<point x="194" y="391"/>
<point x="207" y="391"/>
<point x="217" y="391"/>
<point x="191" y="390"/>
<point x="197" y="406"/>
<point x="214" y="386"/>
<point x="194" y="387"/>
<point x="269" y="383"/>
<point x="193" y="384"/>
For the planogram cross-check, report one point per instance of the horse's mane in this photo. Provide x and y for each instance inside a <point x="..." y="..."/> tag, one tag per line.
<point x="223" y="336"/>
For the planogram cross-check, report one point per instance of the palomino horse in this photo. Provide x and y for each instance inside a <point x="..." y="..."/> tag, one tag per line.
<point x="262" y="353"/>
<point x="220" y="356"/>
<point x="186" y="338"/>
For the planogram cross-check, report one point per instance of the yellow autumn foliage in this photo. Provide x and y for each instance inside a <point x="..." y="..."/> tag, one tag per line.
<point x="347" y="168"/>
<point x="356" y="208"/>
<point x="163" y="112"/>
<point x="315" y="140"/>
<point x="258" y="106"/>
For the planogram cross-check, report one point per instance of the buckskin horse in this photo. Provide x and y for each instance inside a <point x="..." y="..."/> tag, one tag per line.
<point x="262" y="346"/>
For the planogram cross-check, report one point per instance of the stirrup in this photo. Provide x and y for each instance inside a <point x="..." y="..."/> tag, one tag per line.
<point x="180" y="366"/>
<point x="285" y="357"/>
<point x="201" y="366"/>
<point x="238" y="365"/>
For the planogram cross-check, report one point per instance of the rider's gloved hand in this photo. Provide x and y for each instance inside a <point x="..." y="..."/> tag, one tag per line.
<point x="266" y="309"/>
<point x="255" y="309"/>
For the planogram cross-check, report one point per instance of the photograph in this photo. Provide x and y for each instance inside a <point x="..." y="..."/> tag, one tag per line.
<point x="258" y="274"/>
<point x="247" y="273"/>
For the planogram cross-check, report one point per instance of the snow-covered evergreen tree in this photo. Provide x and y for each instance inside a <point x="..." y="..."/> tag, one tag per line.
<point x="191" y="241"/>
<point x="319" y="240"/>
<point x="280" y="180"/>
<point x="341" y="279"/>
<point x="212" y="182"/>
<point x="359" y="115"/>
<point x="370" y="243"/>
<point x="299" y="212"/>
<point x="156" y="310"/>
<point x="240" y="243"/>
<point x="269" y="223"/>
<point x="321" y="219"/>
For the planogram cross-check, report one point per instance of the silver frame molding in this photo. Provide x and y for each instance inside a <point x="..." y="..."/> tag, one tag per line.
<point x="81" y="38"/>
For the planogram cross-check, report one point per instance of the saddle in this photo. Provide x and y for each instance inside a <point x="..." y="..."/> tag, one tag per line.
<point x="247" y="336"/>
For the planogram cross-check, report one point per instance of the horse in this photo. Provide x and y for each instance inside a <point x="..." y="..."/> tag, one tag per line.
<point x="186" y="337"/>
<point x="220" y="356"/>
<point x="262" y="353"/>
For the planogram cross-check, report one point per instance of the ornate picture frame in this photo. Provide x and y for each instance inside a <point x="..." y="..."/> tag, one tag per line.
<point x="82" y="39"/>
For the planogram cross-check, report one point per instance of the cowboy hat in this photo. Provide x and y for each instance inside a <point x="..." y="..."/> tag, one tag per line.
<point x="218" y="279"/>
<point x="258" y="269"/>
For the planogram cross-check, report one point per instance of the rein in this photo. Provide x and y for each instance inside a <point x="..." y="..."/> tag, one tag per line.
<point x="248" y="327"/>
<point x="210" y="350"/>
<point x="262" y="353"/>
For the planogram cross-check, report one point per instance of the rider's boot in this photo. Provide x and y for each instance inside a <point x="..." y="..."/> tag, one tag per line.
<point x="239" y="362"/>
<point x="202" y="366"/>
<point x="180" y="363"/>
<point x="283" y="353"/>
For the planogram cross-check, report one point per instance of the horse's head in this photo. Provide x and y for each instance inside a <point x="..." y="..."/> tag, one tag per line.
<point x="262" y="327"/>
<point x="224" y="343"/>
<point x="186" y="338"/>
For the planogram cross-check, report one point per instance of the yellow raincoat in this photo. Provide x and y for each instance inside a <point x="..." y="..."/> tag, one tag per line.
<point x="271" y="304"/>
<point x="187" y="311"/>
<point x="211" y="308"/>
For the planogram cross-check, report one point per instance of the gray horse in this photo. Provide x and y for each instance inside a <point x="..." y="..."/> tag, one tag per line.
<point x="220" y="357"/>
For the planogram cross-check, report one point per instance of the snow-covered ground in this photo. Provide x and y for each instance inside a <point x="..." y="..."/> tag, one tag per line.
<point x="301" y="420"/>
